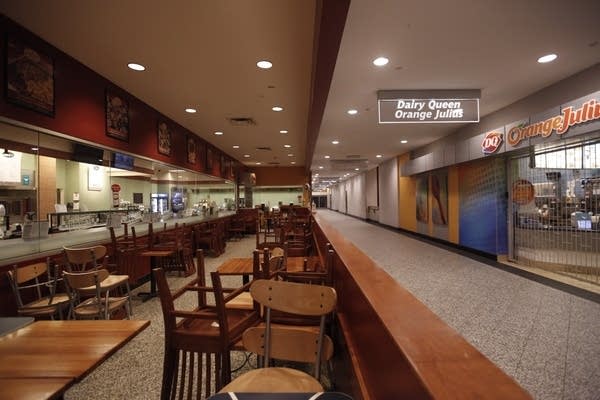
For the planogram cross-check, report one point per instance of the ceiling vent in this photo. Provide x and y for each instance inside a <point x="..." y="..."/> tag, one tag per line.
<point x="241" y="121"/>
<point x="353" y="156"/>
<point x="274" y="163"/>
<point x="265" y="148"/>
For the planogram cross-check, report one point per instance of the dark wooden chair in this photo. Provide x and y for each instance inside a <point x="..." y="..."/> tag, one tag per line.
<point x="204" y="336"/>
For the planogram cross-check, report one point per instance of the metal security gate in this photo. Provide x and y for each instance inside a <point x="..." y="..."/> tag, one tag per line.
<point x="555" y="209"/>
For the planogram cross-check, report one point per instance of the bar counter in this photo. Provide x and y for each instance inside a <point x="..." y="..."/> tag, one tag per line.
<point x="18" y="250"/>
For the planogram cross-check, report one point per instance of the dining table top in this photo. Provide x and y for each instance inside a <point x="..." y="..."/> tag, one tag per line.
<point x="43" y="359"/>
<point x="244" y="265"/>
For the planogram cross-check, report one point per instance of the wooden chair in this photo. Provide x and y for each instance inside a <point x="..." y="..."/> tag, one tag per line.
<point x="204" y="336"/>
<point x="90" y="295"/>
<point x="208" y="239"/>
<point x="287" y="343"/>
<point x="237" y="228"/>
<point x="79" y="259"/>
<point x="37" y="281"/>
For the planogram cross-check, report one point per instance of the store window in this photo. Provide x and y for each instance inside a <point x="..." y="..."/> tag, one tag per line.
<point x="56" y="192"/>
<point x="556" y="210"/>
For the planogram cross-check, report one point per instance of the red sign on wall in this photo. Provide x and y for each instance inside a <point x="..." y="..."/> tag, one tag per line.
<point x="115" y="188"/>
<point x="491" y="142"/>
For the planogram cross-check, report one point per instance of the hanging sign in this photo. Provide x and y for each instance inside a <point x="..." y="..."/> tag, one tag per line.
<point x="428" y="106"/>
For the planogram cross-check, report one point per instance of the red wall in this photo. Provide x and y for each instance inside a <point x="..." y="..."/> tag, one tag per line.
<point x="79" y="98"/>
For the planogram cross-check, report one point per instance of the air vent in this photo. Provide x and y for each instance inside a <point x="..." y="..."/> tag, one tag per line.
<point x="264" y="148"/>
<point x="353" y="156"/>
<point x="344" y="165"/>
<point x="241" y="121"/>
<point x="274" y="163"/>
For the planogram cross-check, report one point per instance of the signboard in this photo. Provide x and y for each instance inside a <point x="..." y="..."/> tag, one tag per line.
<point x="491" y="142"/>
<point x="428" y="106"/>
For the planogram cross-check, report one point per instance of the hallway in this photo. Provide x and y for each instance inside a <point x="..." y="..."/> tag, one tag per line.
<point x="546" y="339"/>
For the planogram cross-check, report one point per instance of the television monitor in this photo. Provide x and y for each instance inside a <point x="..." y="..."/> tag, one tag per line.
<point x="122" y="161"/>
<point x="87" y="154"/>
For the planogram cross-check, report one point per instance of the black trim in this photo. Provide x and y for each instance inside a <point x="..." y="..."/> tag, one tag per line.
<point x="488" y="259"/>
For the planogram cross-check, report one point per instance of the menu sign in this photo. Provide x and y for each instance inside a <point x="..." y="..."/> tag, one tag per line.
<point x="437" y="106"/>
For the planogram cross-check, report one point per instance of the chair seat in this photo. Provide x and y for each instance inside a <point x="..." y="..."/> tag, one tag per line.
<point x="42" y="307"/>
<point x="89" y="307"/>
<point x="111" y="282"/>
<point x="243" y="301"/>
<point x="274" y="380"/>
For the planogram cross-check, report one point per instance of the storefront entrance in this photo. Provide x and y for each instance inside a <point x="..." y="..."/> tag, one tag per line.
<point x="555" y="207"/>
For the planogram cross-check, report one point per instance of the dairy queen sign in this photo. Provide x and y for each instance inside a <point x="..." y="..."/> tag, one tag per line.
<point x="491" y="142"/>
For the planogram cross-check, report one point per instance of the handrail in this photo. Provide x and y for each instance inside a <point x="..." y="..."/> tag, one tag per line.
<point x="396" y="346"/>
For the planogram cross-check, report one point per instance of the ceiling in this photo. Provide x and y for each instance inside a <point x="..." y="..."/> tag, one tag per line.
<point x="203" y="55"/>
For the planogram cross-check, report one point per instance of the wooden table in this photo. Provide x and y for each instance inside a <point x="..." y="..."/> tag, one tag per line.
<point x="156" y="258"/>
<point x="44" y="359"/>
<point x="244" y="266"/>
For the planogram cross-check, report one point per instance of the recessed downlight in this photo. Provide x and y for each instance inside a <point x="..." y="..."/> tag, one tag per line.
<point x="335" y="142"/>
<point x="35" y="148"/>
<point x="320" y="167"/>
<point x="352" y="111"/>
<point x="327" y="157"/>
<point x="264" y="64"/>
<point x="378" y="156"/>
<point x="258" y="163"/>
<point x="547" y="58"/>
<point x="404" y="141"/>
<point x="190" y="110"/>
<point x="380" y="61"/>
<point x="287" y="146"/>
<point x="236" y="146"/>
<point x="246" y="155"/>
<point x="290" y="155"/>
<point x="357" y="169"/>
<point x="218" y="133"/>
<point x="136" y="67"/>
<point x="277" y="108"/>
<point x="283" y="131"/>
<point x="293" y="162"/>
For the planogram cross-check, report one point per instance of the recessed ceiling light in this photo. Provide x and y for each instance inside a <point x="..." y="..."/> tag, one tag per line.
<point x="190" y="110"/>
<point x="320" y="167"/>
<point x="218" y="133"/>
<point x="277" y="108"/>
<point x="547" y="58"/>
<point x="258" y="163"/>
<point x="352" y="112"/>
<point x="404" y="141"/>
<point x="327" y="156"/>
<point x="287" y="146"/>
<point x="293" y="162"/>
<point x="246" y="155"/>
<point x="235" y="146"/>
<point x="316" y="174"/>
<point x="136" y="67"/>
<point x="335" y="142"/>
<point x="378" y="156"/>
<point x="290" y="155"/>
<point x="357" y="169"/>
<point x="264" y="64"/>
<point x="35" y="148"/>
<point x="380" y="61"/>
<point x="283" y="131"/>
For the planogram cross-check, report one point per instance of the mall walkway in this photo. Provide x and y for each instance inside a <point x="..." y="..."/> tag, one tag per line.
<point x="546" y="339"/>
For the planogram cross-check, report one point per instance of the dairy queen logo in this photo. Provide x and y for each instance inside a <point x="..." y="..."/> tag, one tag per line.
<point x="491" y="142"/>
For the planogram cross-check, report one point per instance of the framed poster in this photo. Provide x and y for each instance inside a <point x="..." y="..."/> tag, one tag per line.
<point x="95" y="178"/>
<point x="164" y="138"/>
<point x="209" y="158"/>
<point x="29" y="77"/>
<point x="191" y="149"/>
<point x="117" y="116"/>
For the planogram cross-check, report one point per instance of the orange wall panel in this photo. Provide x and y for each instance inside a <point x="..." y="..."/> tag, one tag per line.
<point x="280" y="176"/>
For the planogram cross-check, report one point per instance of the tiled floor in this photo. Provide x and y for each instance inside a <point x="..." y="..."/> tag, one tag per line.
<point x="547" y="339"/>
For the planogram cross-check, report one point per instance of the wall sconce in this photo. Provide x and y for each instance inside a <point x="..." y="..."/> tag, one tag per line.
<point x="8" y="154"/>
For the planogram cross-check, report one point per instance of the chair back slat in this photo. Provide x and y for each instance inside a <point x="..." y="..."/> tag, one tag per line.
<point x="291" y="344"/>
<point x="84" y="258"/>
<point x="295" y="298"/>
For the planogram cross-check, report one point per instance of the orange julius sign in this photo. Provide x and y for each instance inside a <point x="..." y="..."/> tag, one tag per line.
<point x="589" y="111"/>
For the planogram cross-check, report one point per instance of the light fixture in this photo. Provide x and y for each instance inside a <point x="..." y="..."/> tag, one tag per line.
<point x="290" y="155"/>
<point x="357" y="169"/>
<point x="235" y="146"/>
<point x="277" y="108"/>
<point x="352" y="112"/>
<point x="380" y="61"/>
<point x="264" y="64"/>
<point x="218" y="133"/>
<point x="287" y="146"/>
<point x="547" y="58"/>
<point x="190" y="110"/>
<point x="258" y="163"/>
<point x="320" y="167"/>
<point x="327" y="157"/>
<point x="293" y="162"/>
<point x="335" y="142"/>
<point x="283" y="131"/>
<point x="8" y="154"/>
<point x="378" y="156"/>
<point x="35" y="148"/>
<point x="404" y="141"/>
<point x="246" y="155"/>
<point x="136" y="67"/>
